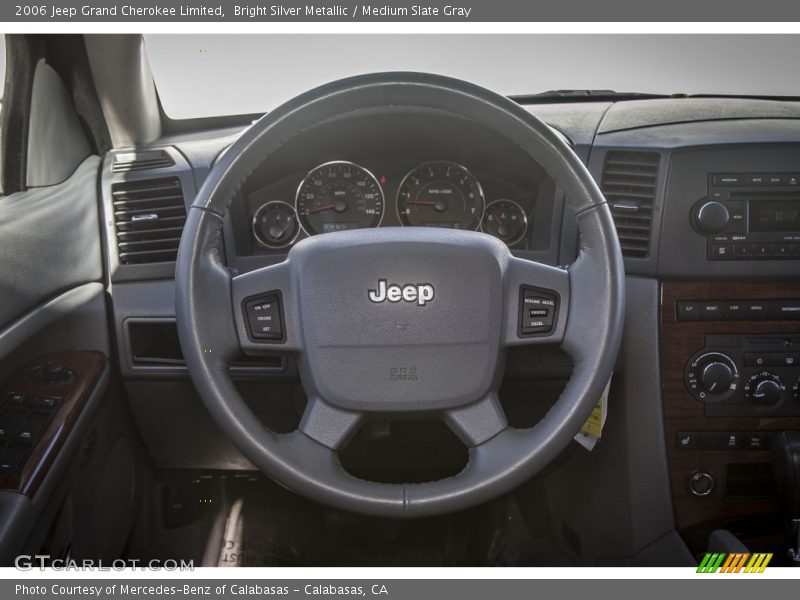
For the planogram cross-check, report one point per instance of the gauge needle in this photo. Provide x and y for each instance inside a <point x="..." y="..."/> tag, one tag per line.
<point x="283" y="229"/>
<point x="320" y="208"/>
<point x="439" y="205"/>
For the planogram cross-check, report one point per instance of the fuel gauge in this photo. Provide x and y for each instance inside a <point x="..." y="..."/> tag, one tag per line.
<point x="505" y="220"/>
<point x="275" y="225"/>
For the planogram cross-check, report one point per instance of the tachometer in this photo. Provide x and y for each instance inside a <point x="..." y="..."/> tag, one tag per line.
<point x="440" y="194"/>
<point x="337" y="196"/>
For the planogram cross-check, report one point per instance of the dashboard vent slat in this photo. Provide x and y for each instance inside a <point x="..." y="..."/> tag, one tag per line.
<point x="141" y="160"/>
<point x="149" y="217"/>
<point x="629" y="184"/>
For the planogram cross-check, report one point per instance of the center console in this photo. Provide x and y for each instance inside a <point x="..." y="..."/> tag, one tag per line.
<point x="731" y="380"/>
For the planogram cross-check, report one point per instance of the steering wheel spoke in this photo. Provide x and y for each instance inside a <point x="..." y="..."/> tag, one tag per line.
<point x="264" y="309"/>
<point x="327" y="424"/>
<point x="537" y="303"/>
<point x="478" y="422"/>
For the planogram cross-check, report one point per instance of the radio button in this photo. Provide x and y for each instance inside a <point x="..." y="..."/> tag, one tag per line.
<point x="721" y="251"/>
<point x="729" y="179"/>
<point x="756" y="179"/>
<point x="762" y="250"/>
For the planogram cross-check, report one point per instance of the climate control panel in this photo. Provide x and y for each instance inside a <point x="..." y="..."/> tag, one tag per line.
<point x="746" y="375"/>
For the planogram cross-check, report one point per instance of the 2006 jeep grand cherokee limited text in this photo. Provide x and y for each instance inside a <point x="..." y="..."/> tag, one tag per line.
<point x="377" y="324"/>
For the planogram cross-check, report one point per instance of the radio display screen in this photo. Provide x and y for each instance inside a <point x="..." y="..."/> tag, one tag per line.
<point x="775" y="215"/>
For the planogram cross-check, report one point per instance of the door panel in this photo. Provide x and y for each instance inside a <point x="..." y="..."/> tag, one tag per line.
<point x="49" y="242"/>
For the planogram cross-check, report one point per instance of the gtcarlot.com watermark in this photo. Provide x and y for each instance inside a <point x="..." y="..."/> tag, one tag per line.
<point x="29" y="562"/>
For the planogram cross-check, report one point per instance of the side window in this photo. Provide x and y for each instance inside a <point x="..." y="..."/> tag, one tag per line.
<point x="2" y="87"/>
<point x="2" y="65"/>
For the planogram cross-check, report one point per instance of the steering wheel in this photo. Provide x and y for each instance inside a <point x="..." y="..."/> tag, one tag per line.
<point x="400" y="322"/>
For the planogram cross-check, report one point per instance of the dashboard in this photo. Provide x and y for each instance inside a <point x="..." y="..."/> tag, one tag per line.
<point x="705" y="197"/>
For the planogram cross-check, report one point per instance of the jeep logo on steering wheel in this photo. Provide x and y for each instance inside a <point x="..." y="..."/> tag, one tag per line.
<point x="421" y="293"/>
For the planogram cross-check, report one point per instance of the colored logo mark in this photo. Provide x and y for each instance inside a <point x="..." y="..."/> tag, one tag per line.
<point x="721" y="562"/>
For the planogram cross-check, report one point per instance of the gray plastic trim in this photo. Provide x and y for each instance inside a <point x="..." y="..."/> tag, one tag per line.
<point x="125" y="88"/>
<point x="56" y="141"/>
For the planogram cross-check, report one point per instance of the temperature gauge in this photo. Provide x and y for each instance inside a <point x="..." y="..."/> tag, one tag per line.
<point x="505" y="220"/>
<point x="275" y="225"/>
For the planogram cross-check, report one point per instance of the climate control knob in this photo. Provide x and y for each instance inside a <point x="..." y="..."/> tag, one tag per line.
<point x="712" y="217"/>
<point x="711" y="376"/>
<point x="764" y="388"/>
<point x="717" y="377"/>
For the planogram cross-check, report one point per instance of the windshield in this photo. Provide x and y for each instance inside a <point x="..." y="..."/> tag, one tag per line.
<point x="211" y="75"/>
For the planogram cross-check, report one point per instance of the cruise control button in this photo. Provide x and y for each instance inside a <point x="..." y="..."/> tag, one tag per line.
<point x="537" y="311"/>
<point x="264" y="317"/>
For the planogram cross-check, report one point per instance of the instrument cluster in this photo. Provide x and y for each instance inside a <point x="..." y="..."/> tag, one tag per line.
<point x="340" y="195"/>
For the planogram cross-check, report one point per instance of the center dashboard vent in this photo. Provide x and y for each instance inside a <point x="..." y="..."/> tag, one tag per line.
<point x="629" y="185"/>
<point x="149" y="216"/>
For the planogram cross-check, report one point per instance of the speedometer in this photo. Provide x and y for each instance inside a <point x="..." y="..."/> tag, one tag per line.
<point x="337" y="196"/>
<point x="440" y="194"/>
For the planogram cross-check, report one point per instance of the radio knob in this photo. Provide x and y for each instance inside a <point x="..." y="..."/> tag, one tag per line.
<point x="712" y="217"/>
<point x="717" y="377"/>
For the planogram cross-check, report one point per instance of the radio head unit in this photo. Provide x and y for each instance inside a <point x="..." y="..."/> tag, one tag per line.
<point x="748" y="216"/>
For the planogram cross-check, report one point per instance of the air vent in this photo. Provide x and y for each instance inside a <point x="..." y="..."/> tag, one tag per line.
<point x="141" y="160"/>
<point x="149" y="217"/>
<point x="629" y="185"/>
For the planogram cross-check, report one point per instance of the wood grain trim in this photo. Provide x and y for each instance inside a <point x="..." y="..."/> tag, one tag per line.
<point x="679" y="341"/>
<point x="88" y="368"/>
